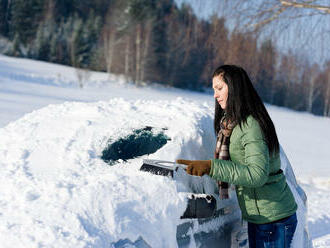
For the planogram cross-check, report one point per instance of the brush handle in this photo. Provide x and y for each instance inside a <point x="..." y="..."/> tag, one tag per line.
<point x="183" y="166"/>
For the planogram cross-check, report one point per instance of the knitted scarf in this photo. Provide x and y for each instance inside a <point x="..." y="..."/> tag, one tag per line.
<point x="222" y="150"/>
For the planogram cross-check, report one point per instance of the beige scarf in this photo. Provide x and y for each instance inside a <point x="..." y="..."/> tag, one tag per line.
<point x="222" y="150"/>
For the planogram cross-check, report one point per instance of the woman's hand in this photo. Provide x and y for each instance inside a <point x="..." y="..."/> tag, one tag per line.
<point x="196" y="167"/>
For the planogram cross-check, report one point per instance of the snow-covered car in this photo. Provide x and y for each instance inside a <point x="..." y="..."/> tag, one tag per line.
<point x="207" y="221"/>
<point x="58" y="189"/>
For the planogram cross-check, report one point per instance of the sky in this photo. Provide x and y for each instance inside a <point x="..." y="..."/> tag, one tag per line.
<point x="307" y="36"/>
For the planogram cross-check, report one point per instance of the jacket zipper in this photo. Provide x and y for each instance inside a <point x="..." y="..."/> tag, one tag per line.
<point x="255" y="199"/>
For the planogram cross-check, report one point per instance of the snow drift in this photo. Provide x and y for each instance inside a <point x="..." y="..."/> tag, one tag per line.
<point x="57" y="192"/>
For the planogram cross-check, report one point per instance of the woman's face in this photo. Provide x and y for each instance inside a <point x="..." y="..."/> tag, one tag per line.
<point x="220" y="91"/>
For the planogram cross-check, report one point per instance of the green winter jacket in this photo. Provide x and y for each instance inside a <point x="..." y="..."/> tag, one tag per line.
<point x="261" y="188"/>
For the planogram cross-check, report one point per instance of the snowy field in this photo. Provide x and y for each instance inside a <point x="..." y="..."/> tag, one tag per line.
<point x="57" y="192"/>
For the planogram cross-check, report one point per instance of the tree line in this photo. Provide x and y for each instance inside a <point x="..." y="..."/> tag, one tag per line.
<point x="155" y="41"/>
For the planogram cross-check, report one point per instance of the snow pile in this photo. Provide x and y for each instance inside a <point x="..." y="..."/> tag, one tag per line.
<point x="57" y="192"/>
<point x="55" y="189"/>
<point x="317" y="190"/>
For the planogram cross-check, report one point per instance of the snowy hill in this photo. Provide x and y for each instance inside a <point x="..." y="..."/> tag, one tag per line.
<point x="57" y="192"/>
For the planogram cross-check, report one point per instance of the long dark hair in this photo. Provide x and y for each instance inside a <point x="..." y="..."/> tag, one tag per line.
<point x="242" y="101"/>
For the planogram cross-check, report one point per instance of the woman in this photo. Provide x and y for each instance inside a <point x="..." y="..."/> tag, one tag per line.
<point x="242" y="122"/>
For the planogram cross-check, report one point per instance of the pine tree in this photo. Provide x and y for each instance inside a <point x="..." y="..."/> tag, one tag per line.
<point x="79" y="45"/>
<point x="25" y="17"/>
<point x="91" y="32"/>
<point x="4" y="17"/>
<point x="53" y="51"/>
<point x="16" y="48"/>
<point x="42" y="42"/>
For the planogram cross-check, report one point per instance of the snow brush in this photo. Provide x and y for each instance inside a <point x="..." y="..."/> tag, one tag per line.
<point x="161" y="167"/>
<point x="199" y="205"/>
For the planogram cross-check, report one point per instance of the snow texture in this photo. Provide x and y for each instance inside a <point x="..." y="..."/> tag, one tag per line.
<point x="57" y="192"/>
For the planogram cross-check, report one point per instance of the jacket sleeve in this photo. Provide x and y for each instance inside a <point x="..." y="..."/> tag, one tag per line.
<point x="254" y="172"/>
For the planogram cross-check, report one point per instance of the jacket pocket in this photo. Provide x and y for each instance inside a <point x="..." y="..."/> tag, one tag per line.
<point x="256" y="200"/>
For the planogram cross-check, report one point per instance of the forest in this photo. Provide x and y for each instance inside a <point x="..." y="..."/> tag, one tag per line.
<point x="155" y="41"/>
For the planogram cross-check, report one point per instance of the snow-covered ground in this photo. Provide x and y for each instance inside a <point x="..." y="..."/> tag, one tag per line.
<point x="55" y="191"/>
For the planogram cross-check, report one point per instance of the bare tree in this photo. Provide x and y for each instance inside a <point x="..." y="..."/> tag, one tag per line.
<point x="138" y="39"/>
<point x="216" y="45"/>
<point x="83" y="75"/>
<point x="190" y="33"/>
<point x="326" y="110"/>
<point x="267" y="69"/>
<point x="114" y="31"/>
<point x="146" y="48"/>
<point x="127" y="56"/>
<point x="306" y="5"/>
<point x="258" y="14"/>
<point x="242" y="50"/>
<point x="49" y="10"/>
<point x="109" y="38"/>
<point x="313" y="90"/>
<point x="177" y="35"/>
<point x="289" y="75"/>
